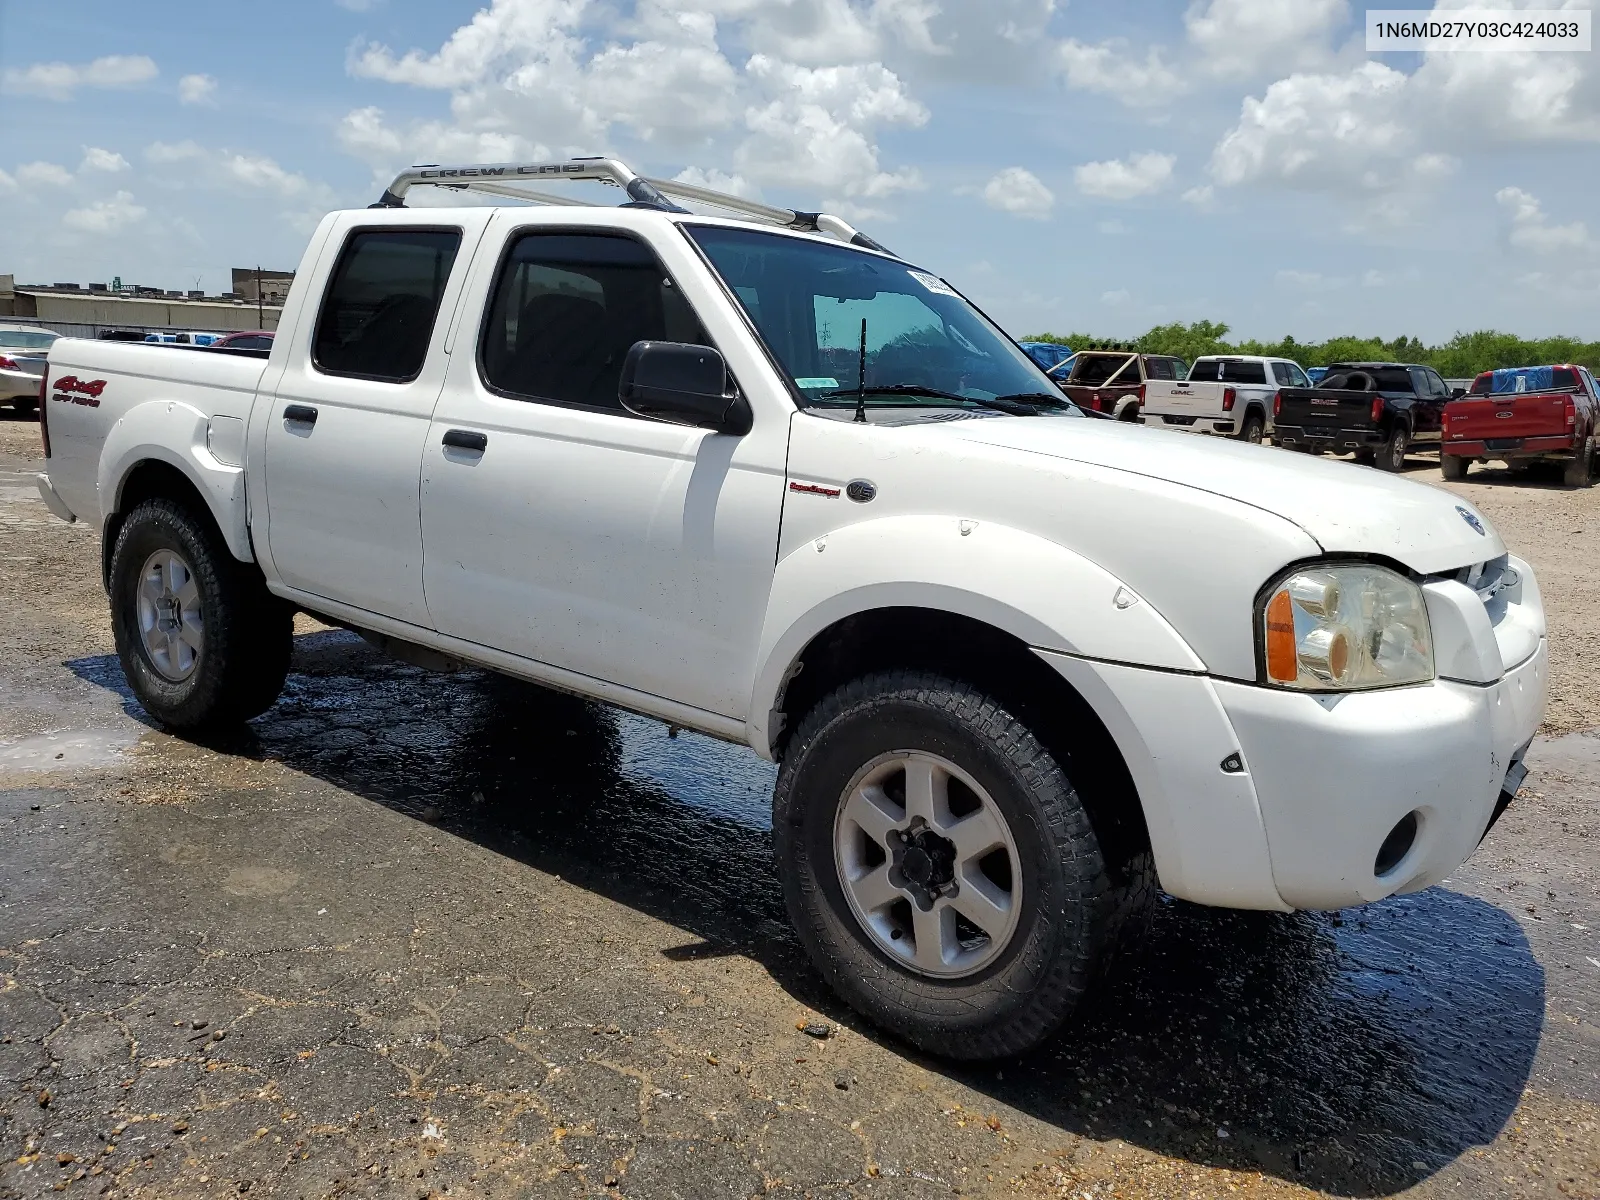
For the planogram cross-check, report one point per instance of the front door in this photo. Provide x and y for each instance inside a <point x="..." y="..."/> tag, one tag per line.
<point x="559" y="527"/>
<point x="349" y="417"/>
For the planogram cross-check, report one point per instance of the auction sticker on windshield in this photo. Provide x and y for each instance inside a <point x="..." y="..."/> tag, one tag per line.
<point x="810" y="383"/>
<point x="933" y="283"/>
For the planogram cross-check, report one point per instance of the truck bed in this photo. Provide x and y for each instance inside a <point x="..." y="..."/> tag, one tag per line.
<point x="95" y="384"/>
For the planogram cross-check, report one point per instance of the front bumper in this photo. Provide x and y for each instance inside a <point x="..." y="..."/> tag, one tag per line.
<point x="1325" y="779"/>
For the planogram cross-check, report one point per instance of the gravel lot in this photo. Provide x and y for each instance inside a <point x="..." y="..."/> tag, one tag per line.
<point x="417" y="936"/>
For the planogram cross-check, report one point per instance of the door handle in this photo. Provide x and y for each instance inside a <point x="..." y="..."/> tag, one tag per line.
<point x="463" y="439"/>
<point x="302" y="413"/>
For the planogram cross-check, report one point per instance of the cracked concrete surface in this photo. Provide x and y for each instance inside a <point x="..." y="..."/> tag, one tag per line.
<point x="413" y="935"/>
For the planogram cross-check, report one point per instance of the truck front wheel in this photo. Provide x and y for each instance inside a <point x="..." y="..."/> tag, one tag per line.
<point x="201" y="640"/>
<point x="939" y="866"/>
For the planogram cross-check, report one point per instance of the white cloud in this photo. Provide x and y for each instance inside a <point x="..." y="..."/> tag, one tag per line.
<point x="1228" y="38"/>
<point x="106" y="216"/>
<point x="803" y="110"/>
<point x="172" y="152"/>
<point x="7" y="184"/>
<point x="59" y="80"/>
<point x="1302" y="279"/>
<point x="1531" y="230"/>
<point x="1118" y="297"/>
<point x="1141" y="175"/>
<point x="197" y="89"/>
<point x="43" y="174"/>
<point x="1020" y="192"/>
<point x="359" y="6"/>
<point x="717" y="181"/>
<point x="1200" y="196"/>
<point x="96" y="159"/>
<point x="1107" y="69"/>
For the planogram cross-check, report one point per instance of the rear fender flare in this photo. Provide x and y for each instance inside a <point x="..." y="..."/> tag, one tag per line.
<point x="174" y="433"/>
<point x="1040" y="592"/>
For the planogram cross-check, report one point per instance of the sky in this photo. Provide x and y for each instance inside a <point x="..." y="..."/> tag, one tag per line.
<point x="1069" y="164"/>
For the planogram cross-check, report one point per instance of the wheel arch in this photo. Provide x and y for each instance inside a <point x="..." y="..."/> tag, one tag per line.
<point x="998" y="663"/>
<point x="161" y="449"/>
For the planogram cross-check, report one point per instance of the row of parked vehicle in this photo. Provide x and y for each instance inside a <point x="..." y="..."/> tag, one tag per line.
<point x="1378" y="411"/>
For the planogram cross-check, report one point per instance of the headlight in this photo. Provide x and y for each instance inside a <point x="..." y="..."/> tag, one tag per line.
<point x="1345" y="627"/>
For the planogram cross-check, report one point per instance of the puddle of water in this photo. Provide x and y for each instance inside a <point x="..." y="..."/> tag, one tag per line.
<point x="65" y="751"/>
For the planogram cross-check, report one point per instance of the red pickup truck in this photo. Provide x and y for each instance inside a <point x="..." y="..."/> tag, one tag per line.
<point x="1521" y="415"/>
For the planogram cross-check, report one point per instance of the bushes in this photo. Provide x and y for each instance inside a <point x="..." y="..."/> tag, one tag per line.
<point x="1463" y="356"/>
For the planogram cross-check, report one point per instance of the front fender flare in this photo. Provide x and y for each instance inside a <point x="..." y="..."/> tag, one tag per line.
<point x="1038" y="591"/>
<point x="174" y="433"/>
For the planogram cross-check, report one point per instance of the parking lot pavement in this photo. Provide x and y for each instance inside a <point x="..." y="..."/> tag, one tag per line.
<point x="420" y="935"/>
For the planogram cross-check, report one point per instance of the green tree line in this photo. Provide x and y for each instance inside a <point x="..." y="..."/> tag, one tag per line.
<point x="1462" y="357"/>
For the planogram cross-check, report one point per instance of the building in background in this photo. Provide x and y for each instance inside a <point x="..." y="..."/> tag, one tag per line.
<point x="274" y="284"/>
<point x="89" y="311"/>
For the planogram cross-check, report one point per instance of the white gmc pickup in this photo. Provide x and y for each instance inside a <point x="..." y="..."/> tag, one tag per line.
<point x="759" y="477"/>
<point x="1230" y="394"/>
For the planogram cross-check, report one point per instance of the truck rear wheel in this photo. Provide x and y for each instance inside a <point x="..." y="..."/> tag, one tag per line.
<point x="1580" y="471"/>
<point x="1391" y="455"/>
<point x="1254" y="427"/>
<point x="201" y="640"/>
<point x="939" y="866"/>
<point x="1454" y="466"/>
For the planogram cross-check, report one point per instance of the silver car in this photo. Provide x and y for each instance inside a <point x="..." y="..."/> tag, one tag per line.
<point x="22" y="364"/>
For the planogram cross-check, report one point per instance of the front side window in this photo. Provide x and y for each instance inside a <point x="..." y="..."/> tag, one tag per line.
<point x="567" y="308"/>
<point x="842" y="322"/>
<point x="377" y="316"/>
<point x="1280" y="374"/>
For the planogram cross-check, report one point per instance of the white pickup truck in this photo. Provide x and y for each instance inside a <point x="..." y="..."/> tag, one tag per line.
<point x="1230" y="394"/>
<point x="757" y="476"/>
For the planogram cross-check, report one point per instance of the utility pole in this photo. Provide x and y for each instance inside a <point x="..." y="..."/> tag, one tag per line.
<point x="261" y="316"/>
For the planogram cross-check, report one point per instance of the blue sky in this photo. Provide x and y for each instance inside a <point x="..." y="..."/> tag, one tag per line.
<point x="1101" y="166"/>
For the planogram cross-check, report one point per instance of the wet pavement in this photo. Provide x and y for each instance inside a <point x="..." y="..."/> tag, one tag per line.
<point x="422" y="935"/>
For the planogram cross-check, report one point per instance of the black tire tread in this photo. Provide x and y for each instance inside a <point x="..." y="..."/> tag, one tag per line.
<point x="900" y="1002"/>
<point x="249" y="631"/>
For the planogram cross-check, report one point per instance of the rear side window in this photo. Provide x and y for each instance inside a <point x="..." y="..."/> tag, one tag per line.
<point x="1281" y="376"/>
<point x="566" y="310"/>
<point x="377" y="317"/>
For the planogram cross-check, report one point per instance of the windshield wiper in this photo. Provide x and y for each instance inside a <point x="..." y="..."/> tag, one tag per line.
<point x="1003" y="404"/>
<point x="1039" y="398"/>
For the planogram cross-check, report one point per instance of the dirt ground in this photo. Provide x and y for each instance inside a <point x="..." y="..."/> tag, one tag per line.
<point x="418" y="936"/>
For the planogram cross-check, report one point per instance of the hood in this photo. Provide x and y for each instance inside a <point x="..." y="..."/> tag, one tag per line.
<point x="1346" y="508"/>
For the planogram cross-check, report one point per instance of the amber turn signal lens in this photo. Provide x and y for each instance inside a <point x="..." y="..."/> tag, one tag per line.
<point x="1283" y="665"/>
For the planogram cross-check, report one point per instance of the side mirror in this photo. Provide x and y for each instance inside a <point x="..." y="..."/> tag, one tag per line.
<point x="689" y="385"/>
<point x="1457" y="393"/>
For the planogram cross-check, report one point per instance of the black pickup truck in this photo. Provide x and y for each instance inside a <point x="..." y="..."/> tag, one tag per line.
<point x="1377" y="409"/>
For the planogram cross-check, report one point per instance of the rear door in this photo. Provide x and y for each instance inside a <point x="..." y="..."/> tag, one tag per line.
<point x="350" y="413"/>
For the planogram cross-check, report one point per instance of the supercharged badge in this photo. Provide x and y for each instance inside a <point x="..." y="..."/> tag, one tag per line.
<point x="1471" y="518"/>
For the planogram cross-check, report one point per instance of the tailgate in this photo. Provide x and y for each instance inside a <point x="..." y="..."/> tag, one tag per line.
<point x="1511" y="415"/>
<point x="1101" y="399"/>
<point x="1326" y="408"/>
<point x="1162" y="398"/>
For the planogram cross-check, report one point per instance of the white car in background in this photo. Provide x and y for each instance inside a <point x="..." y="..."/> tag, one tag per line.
<point x="22" y="364"/>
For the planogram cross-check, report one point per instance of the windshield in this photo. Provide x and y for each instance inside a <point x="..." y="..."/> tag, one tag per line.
<point x="26" y="339"/>
<point x="925" y="345"/>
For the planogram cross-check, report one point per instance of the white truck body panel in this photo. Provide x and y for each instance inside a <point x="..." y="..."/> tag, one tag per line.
<point x="682" y="572"/>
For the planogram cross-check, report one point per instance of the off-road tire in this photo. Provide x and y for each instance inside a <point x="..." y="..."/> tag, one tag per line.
<point x="1255" y="427"/>
<point x="1391" y="456"/>
<point x="1454" y="466"/>
<point x="1579" y="472"/>
<point x="248" y="631"/>
<point x="1071" y="909"/>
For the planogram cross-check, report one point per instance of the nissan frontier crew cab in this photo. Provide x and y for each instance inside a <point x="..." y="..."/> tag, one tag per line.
<point x="757" y="476"/>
